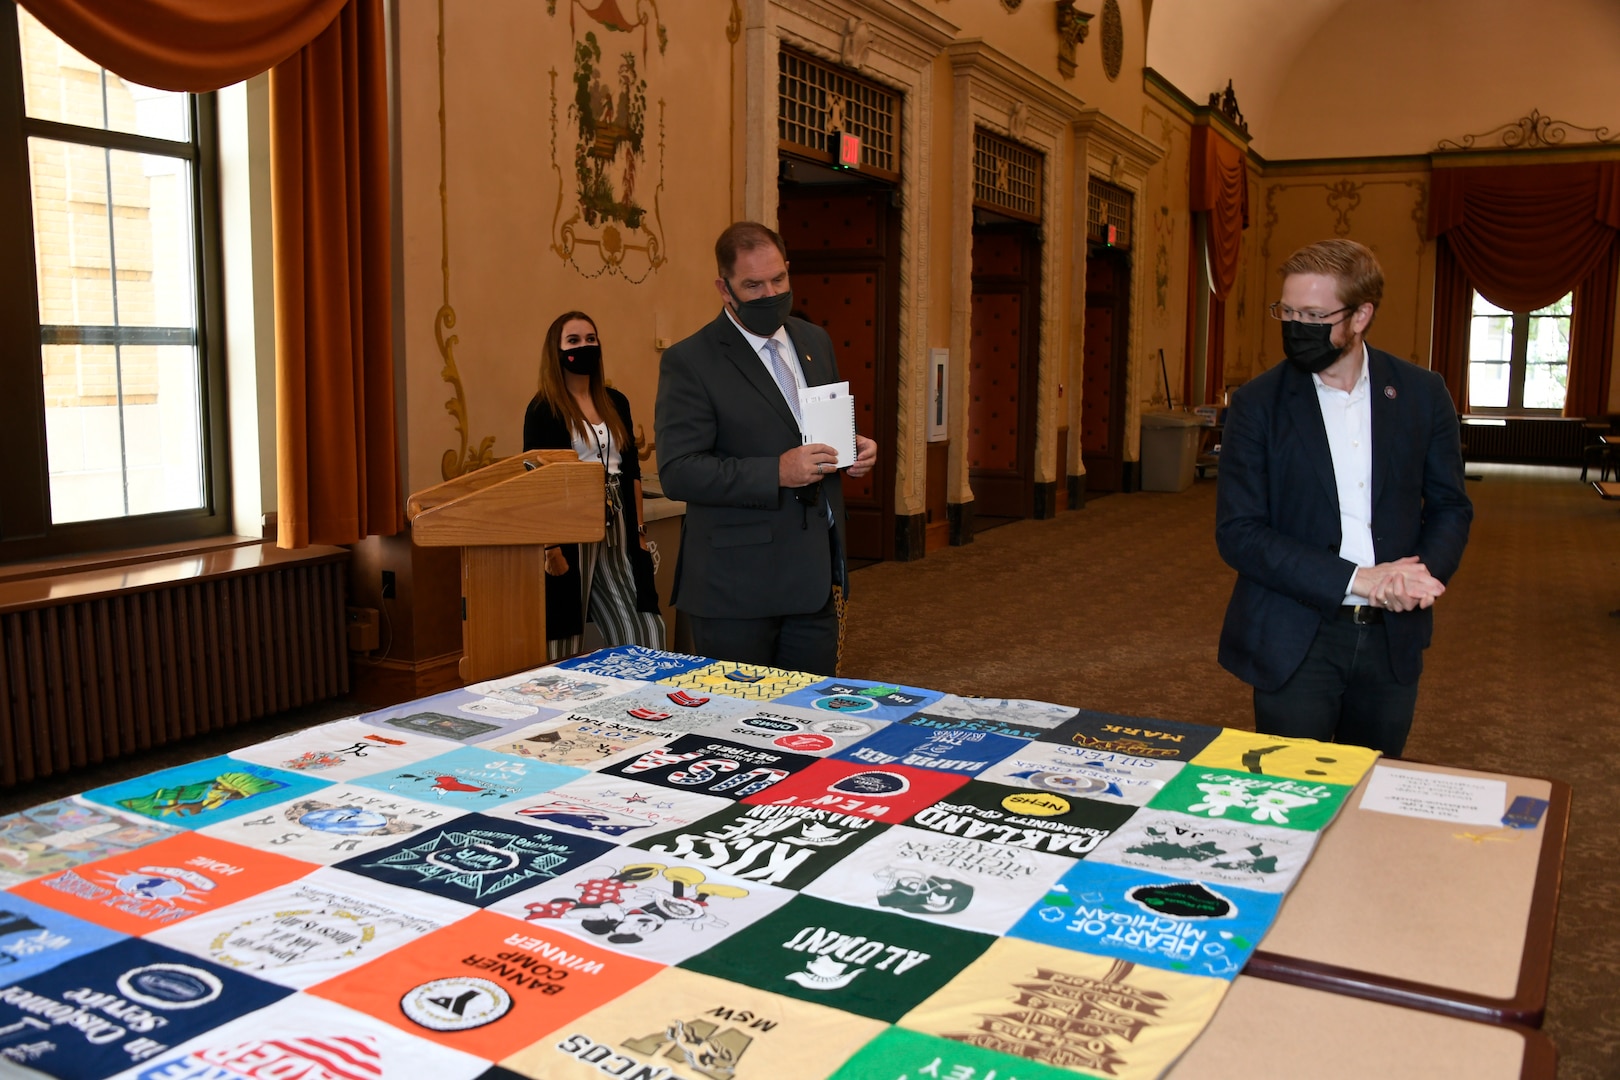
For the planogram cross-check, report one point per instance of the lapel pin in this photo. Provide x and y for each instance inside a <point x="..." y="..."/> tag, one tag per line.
<point x="1389" y="392"/>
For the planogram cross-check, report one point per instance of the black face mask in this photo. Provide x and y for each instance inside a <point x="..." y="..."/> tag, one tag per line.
<point x="582" y="359"/>
<point x="1309" y="346"/>
<point x="765" y="315"/>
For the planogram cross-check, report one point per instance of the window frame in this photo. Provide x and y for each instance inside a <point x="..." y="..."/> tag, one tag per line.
<point x="26" y="530"/>
<point x="1518" y="363"/>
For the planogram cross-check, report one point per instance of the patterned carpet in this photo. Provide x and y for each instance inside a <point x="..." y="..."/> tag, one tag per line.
<point x="1118" y="608"/>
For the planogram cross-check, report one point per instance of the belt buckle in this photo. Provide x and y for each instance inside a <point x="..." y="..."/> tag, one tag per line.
<point x="1363" y="614"/>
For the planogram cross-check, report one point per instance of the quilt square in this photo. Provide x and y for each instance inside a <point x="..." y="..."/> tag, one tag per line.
<point x="343" y="749"/>
<point x="120" y="1006"/>
<point x="858" y="697"/>
<point x="1169" y="740"/>
<point x="1251" y="799"/>
<point x="487" y="984"/>
<point x="611" y="808"/>
<point x="138" y="891"/>
<point x="1017" y="715"/>
<point x="311" y="929"/>
<point x="1254" y="857"/>
<point x="635" y="662"/>
<point x="965" y="752"/>
<point x="869" y="963"/>
<point x="1091" y="1014"/>
<point x="203" y="792"/>
<point x="1018" y="817"/>
<point x="1075" y="772"/>
<point x="333" y="824"/>
<point x="66" y="833"/>
<point x="1295" y="759"/>
<point x="772" y="845"/>
<point x="784" y="727"/>
<point x="750" y="681"/>
<point x="656" y="908"/>
<point x="680" y="1025"/>
<point x="576" y="740"/>
<point x="308" y="1038"/>
<point x="36" y="938"/>
<point x="476" y="859"/>
<point x="1180" y="924"/>
<point x="947" y="880"/>
<point x="552" y="688"/>
<point x="711" y="766"/>
<point x="470" y="778"/>
<point x="898" y="1054"/>
<point x="664" y="710"/>
<point x="888" y="793"/>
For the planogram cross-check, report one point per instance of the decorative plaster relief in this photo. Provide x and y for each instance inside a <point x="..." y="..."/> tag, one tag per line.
<point x="611" y="227"/>
<point x="1530" y="132"/>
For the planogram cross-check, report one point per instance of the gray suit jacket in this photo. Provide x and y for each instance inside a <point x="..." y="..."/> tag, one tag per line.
<point x="749" y="548"/>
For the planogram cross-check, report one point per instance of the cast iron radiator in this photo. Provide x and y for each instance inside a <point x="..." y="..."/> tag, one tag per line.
<point x="85" y="681"/>
<point x="1524" y="440"/>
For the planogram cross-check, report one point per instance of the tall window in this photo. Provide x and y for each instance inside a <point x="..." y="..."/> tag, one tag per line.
<point x="108" y="434"/>
<point x="1518" y="361"/>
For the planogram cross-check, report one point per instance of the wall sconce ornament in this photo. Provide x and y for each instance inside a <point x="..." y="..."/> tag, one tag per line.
<point x="1072" y="26"/>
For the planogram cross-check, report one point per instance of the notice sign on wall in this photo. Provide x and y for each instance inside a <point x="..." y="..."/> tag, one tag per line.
<point x="1466" y="800"/>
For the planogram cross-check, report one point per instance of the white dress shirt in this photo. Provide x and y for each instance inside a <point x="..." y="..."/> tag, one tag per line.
<point x="785" y="344"/>
<point x="1347" y="415"/>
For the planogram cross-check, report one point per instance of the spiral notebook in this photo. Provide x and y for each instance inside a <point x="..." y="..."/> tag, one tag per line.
<point x="828" y="412"/>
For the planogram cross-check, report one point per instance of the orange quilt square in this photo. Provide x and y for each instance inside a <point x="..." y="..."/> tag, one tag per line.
<point x="487" y="984"/>
<point x="139" y="891"/>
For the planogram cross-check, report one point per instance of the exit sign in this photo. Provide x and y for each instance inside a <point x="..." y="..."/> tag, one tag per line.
<point x="849" y="151"/>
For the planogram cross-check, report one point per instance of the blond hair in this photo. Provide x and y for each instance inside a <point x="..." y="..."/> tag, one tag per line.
<point x="1353" y="267"/>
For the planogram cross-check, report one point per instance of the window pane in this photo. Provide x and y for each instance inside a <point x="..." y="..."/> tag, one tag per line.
<point x="152" y="240"/>
<point x="123" y="430"/>
<point x="71" y="241"/>
<point x="60" y="84"/>
<point x="1546" y="375"/>
<point x="1490" y="350"/>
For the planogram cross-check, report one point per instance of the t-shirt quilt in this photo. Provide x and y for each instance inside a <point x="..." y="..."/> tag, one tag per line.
<point x="643" y="863"/>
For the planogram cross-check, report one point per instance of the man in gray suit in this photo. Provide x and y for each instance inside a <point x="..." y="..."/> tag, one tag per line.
<point x="762" y="543"/>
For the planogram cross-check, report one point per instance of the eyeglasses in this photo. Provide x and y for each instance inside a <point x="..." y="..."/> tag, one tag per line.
<point x="1284" y="313"/>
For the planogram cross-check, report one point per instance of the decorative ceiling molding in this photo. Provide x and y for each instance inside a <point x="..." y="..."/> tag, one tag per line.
<point x="1533" y="131"/>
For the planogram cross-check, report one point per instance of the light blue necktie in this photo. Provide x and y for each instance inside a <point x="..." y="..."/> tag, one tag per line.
<point x="784" y="378"/>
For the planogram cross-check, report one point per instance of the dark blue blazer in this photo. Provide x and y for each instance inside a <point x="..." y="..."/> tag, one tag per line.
<point x="1277" y="512"/>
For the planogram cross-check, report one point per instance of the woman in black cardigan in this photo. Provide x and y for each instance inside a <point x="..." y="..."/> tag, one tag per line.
<point x="611" y="582"/>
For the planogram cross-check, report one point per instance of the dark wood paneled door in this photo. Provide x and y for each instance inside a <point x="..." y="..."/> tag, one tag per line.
<point x="844" y="263"/>
<point x="1003" y="365"/>
<point x="1103" y="388"/>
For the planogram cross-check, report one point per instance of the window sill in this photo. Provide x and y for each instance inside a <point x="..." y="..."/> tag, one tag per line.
<point x="46" y="583"/>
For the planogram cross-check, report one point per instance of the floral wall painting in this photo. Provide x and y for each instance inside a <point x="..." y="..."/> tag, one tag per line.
<point x="609" y="180"/>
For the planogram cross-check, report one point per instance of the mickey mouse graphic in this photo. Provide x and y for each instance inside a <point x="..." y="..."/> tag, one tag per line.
<point x="629" y="905"/>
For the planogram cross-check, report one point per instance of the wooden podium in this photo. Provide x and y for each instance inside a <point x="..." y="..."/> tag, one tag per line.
<point x="501" y="517"/>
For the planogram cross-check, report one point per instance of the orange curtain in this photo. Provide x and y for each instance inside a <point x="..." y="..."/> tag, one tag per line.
<point x="1524" y="235"/>
<point x="190" y="45"/>
<point x="1220" y="190"/>
<point x="335" y="437"/>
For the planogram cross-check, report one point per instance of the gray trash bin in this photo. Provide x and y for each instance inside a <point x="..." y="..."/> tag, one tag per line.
<point x="1169" y="450"/>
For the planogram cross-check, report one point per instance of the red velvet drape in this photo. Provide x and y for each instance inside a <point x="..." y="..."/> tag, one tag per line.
<point x="335" y="437"/>
<point x="1220" y="190"/>
<point x="1453" y="311"/>
<point x="1523" y="236"/>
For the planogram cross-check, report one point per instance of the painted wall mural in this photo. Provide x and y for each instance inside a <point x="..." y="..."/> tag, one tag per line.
<point x="608" y="217"/>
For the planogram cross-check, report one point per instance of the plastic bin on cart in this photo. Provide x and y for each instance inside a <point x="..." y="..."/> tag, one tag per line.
<point x="1169" y="450"/>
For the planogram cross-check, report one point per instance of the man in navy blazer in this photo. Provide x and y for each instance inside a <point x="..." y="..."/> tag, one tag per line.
<point x="762" y="541"/>
<point x="1342" y="507"/>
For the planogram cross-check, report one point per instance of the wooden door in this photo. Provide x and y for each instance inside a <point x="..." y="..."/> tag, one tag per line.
<point x="843" y="255"/>
<point x="1102" y="400"/>
<point x="1003" y="363"/>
